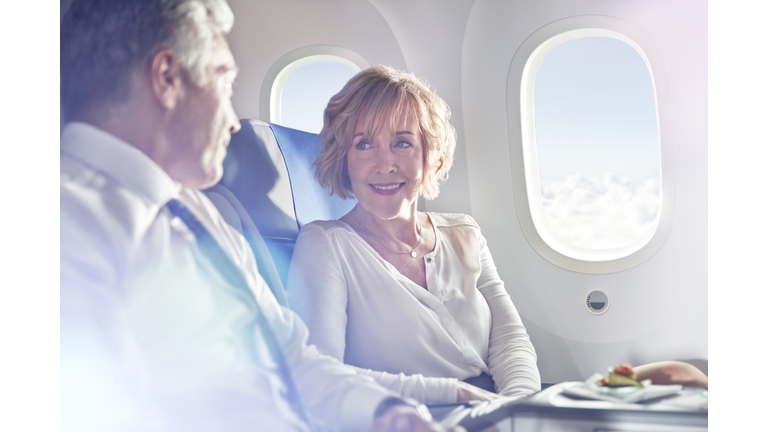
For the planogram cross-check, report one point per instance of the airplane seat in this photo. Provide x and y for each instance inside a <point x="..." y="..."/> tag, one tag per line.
<point x="268" y="191"/>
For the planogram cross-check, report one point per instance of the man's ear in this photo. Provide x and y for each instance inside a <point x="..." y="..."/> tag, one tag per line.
<point x="166" y="78"/>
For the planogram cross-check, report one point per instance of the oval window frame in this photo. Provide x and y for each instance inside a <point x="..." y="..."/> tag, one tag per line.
<point x="275" y="79"/>
<point x="522" y="145"/>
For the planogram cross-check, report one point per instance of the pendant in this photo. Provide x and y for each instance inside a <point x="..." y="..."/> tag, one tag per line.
<point x="413" y="253"/>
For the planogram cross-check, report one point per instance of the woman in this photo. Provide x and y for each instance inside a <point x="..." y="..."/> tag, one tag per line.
<point x="408" y="296"/>
<point x="411" y="298"/>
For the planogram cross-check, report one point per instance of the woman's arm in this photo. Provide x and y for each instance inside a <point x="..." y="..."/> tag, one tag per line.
<point x="317" y="292"/>
<point x="511" y="356"/>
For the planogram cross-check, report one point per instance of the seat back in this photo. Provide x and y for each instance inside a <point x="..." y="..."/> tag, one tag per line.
<point x="268" y="192"/>
<point x="310" y="200"/>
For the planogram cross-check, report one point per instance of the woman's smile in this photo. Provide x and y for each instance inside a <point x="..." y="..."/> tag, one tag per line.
<point x="387" y="188"/>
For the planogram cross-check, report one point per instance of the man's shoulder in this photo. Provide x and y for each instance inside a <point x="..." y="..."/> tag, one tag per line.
<point x="77" y="174"/>
<point x="94" y="206"/>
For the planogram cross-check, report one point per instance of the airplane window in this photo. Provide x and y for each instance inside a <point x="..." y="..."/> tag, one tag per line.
<point x="307" y="91"/>
<point x="597" y="152"/>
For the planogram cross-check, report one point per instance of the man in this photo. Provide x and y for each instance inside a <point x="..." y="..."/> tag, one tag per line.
<point x="165" y="321"/>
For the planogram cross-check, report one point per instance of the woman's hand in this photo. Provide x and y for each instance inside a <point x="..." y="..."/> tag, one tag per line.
<point x="467" y="392"/>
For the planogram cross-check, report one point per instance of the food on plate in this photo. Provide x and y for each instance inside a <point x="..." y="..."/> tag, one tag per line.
<point x="620" y="376"/>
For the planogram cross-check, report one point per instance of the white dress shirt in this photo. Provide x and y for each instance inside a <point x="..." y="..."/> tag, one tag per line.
<point x="361" y="309"/>
<point x="150" y="337"/>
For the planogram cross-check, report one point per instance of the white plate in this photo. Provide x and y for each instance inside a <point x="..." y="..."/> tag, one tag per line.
<point x="590" y="389"/>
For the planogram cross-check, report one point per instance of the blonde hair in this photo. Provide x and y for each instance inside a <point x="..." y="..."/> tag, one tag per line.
<point x="376" y="96"/>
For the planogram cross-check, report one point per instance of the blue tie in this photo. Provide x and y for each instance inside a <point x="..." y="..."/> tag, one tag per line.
<point x="227" y="268"/>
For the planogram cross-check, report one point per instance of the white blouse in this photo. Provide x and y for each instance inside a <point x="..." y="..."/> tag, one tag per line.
<point x="418" y="342"/>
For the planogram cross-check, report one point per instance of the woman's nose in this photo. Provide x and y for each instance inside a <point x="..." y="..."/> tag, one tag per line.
<point x="385" y="160"/>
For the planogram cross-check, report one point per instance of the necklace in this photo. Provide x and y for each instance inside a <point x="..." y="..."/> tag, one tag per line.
<point x="412" y="253"/>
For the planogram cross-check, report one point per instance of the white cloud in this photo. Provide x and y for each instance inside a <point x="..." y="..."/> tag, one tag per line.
<point x="601" y="214"/>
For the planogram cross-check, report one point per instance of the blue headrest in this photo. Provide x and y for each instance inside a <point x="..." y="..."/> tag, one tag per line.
<point x="254" y="171"/>
<point x="311" y="202"/>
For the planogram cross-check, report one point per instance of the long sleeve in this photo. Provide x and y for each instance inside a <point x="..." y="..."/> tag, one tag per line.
<point x="335" y="396"/>
<point x="152" y="335"/>
<point x="101" y="381"/>
<point x="511" y="356"/>
<point x="318" y="292"/>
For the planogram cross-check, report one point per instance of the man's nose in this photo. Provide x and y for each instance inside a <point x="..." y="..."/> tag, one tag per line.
<point x="234" y="121"/>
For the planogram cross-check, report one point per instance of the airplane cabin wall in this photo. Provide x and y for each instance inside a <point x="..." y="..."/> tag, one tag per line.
<point x="266" y="30"/>
<point x="464" y="48"/>
<point x="659" y="308"/>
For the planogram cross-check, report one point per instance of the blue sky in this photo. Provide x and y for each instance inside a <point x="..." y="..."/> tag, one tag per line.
<point x="307" y="92"/>
<point x="595" y="111"/>
<point x="597" y="143"/>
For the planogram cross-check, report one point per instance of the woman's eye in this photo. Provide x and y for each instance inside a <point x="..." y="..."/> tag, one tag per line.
<point x="362" y="145"/>
<point x="403" y="144"/>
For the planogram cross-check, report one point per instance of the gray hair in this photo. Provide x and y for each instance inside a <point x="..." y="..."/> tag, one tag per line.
<point x="104" y="43"/>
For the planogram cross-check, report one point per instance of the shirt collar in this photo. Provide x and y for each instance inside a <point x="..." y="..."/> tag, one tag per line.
<point x="120" y="160"/>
